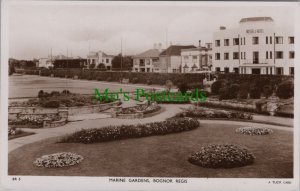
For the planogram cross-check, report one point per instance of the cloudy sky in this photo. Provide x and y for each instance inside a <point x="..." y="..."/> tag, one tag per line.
<point x="36" y="28"/>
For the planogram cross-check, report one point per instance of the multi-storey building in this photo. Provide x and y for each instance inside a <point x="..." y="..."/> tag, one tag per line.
<point x="147" y="61"/>
<point x="170" y="59"/>
<point x="99" y="60"/>
<point x="257" y="46"/>
<point x="196" y="59"/>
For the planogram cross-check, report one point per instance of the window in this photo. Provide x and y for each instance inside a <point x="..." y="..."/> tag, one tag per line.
<point x="279" y="55"/>
<point x="291" y="40"/>
<point x="279" y="40"/>
<point x="154" y="59"/>
<point x="241" y="55"/>
<point x="195" y="57"/>
<point x="217" y="43"/>
<point x="267" y="55"/>
<point x="226" y="42"/>
<point x="226" y="56"/>
<point x="255" y="40"/>
<point x="236" y="41"/>
<point x="226" y="70"/>
<point x="267" y="38"/>
<point x="218" y="69"/>
<point x="270" y="40"/>
<point x="235" y="55"/>
<point x="267" y="70"/>
<point x="107" y="60"/>
<point x="217" y="56"/>
<point x="244" y="40"/>
<point x="291" y="54"/>
<point x="279" y="70"/>
<point x="291" y="70"/>
<point x="271" y="55"/>
<point x="241" y="41"/>
<point x="244" y="55"/>
<point x="236" y="70"/>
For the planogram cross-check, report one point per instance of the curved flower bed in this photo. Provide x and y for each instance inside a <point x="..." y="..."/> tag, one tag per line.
<point x="36" y="120"/>
<point x="254" y="130"/>
<point x="214" y="113"/>
<point x="221" y="156"/>
<point x="111" y="133"/>
<point x="58" y="160"/>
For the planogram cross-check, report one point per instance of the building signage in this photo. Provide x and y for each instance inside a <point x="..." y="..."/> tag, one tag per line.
<point x="254" y="31"/>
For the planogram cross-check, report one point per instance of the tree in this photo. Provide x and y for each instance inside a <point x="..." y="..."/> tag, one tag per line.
<point x="127" y="62"/>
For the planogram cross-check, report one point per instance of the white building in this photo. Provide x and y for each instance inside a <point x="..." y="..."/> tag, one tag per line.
<point x="257" y="46"/>
<point x="147" y="61"/>
<point x="196" y="59"/>
<point x="170" y="59"/>
<point x="100" y="60"/>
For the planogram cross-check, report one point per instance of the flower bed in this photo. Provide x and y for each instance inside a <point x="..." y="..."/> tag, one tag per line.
<point x="254" y="130"/>
<point x="32" y="120"/>
<point x="111" y="133"/>
<point x="221" y="156"/>
<point x="214" y="113"/>
<point x="16" y="133"/>
<point x="58" y="160"/>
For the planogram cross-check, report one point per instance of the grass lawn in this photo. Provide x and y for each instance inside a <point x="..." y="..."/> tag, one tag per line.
<point x="23" y="134"/>
<point x="162" y="156"/>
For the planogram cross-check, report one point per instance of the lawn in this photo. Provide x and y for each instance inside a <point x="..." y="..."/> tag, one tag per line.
<point x="162" y="156"/>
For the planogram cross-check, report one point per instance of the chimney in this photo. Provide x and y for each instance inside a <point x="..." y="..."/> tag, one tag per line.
<point x="199" y="43"/>
<point x="159" y="47"/>
<point x="222" y="28"/>
<point x="155" y="46"/>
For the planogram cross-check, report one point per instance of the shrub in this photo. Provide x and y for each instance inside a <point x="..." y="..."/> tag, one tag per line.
<point x="224" y="93"/>
<point x="285" y="90"/>
<point x="134" y="80"/>
<point x="243" y="94"/>
<point x="111" y="133"/>
<point x="254" y="130"/>
<point x="259" y="104"/>
<point x="50" y="104"/>
<point x="41" y="94"/>
<point x="65" y="92"/>
<point x="222" y="156"/>
<point x="58" y="160"/>
<point x="267" y="90"/>
<point x="54" y="93"/>
<point x="216" y="86"/>
<point x="254" y="93"/>
<point x="233" y="91"/>
<point x="149" y="82"/>
<point x="109" y="79"/>
<point x="195" y="85"/>
<point x="183" y="87"/>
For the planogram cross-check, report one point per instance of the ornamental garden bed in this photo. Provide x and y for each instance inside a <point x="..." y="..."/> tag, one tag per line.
<point x="221" y="156"/>
<point x="208" y="113"/>
<point x="57" y="99"/>
<point x="162" y="156"/>
<point x="111" y="133"/>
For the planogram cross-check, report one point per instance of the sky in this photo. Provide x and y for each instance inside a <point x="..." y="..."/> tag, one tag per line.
<point x="73" y="29"/>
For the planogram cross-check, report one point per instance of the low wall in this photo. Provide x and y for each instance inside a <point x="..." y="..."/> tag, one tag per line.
<point x="51" y="124"/>
<point x="228" y="104"/>
<point x="91" y="109"/>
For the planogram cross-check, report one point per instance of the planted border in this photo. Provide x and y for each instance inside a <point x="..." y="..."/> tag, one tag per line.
<point x="111" y="133"/>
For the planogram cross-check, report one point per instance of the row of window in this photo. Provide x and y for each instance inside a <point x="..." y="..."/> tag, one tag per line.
<point x="269" y="70"/>
<point x="255" y="41"/>
<point x="193" y="57"/>
<point x="269" y="55"/>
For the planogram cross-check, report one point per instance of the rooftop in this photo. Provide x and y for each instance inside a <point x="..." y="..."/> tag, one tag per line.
<point x="255" y="19"/>
<point x="151" y="53"/>
<point x="175" y="50"/>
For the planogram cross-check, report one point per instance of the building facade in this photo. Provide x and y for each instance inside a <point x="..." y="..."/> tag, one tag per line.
<point x="170" y="59"/>
<point x="198" y="59"/>
<point x="257" y="46"/>
<point x="99" y="60"/>
<point x="147" y="61"/>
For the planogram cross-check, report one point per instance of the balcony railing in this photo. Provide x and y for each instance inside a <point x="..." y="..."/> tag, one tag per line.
<point x="254" y="61"/>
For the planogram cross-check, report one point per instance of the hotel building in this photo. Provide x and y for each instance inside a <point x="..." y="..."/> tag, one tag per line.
<point x="257" y="46"/>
